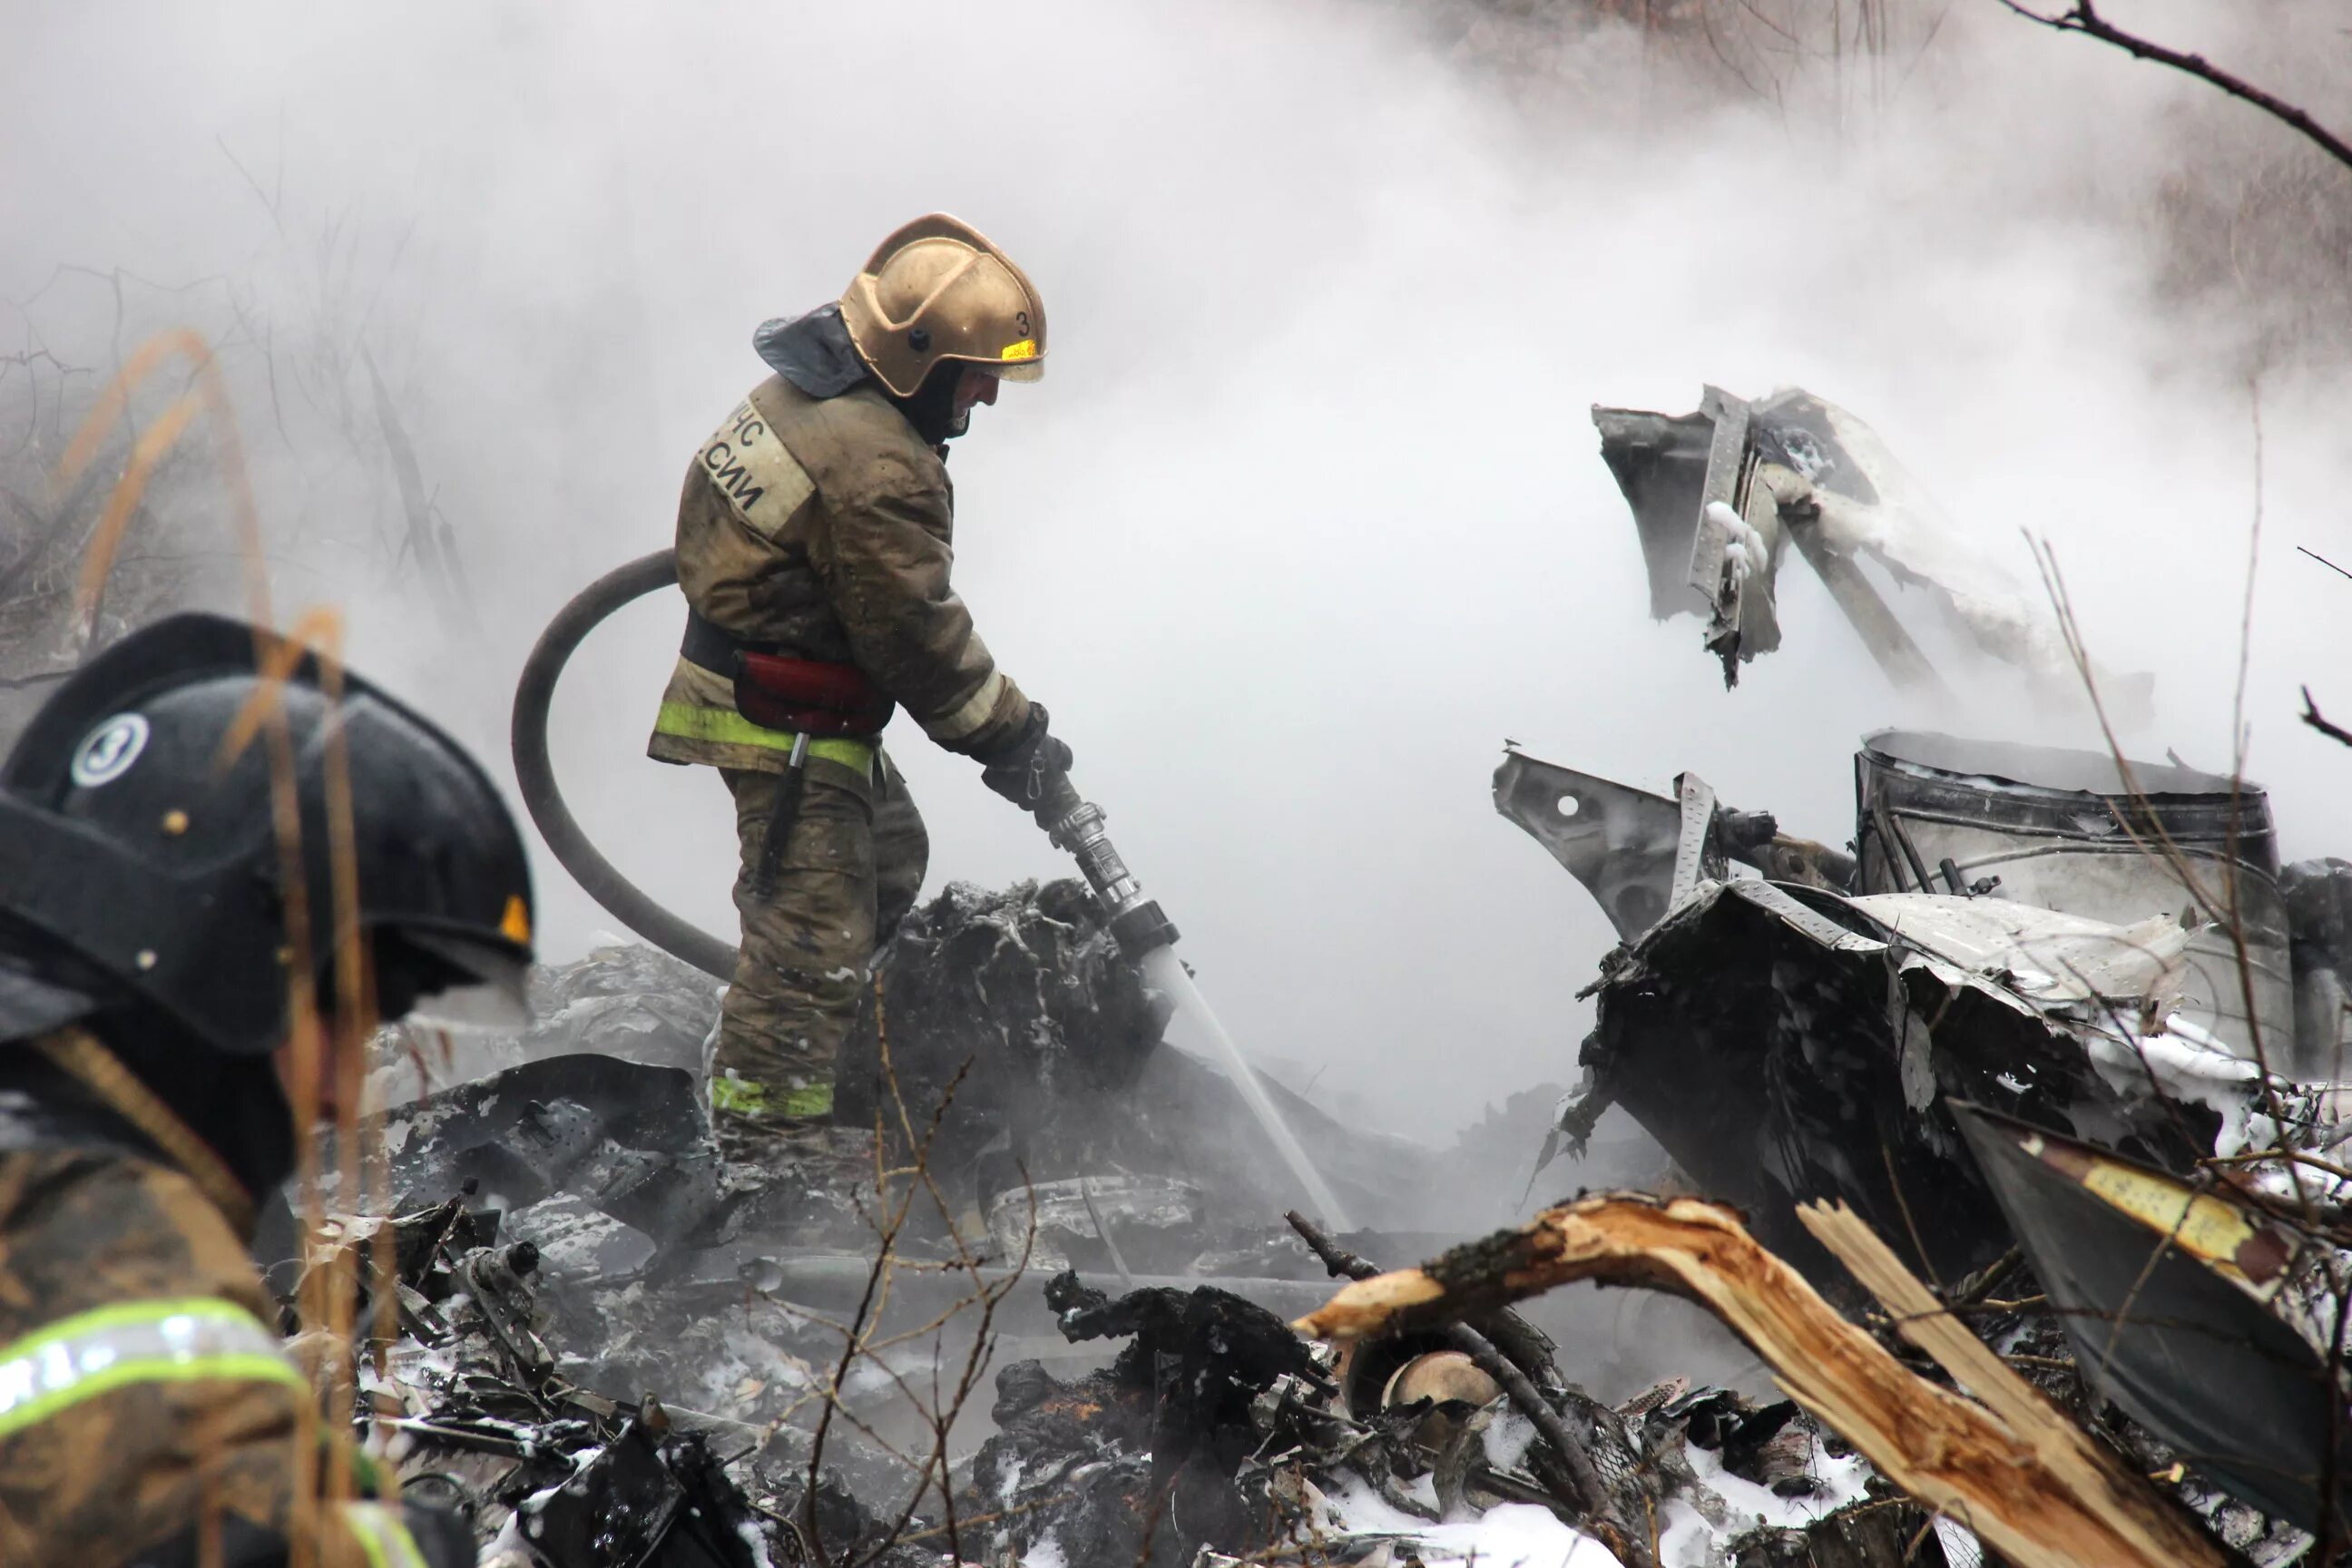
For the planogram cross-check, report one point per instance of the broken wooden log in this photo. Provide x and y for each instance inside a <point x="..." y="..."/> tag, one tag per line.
<point x="1593" y="1501"/>
<point x="2025" y="1477"/>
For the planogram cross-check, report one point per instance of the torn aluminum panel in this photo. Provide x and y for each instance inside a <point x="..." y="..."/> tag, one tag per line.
<point x="1619" y="842"/>
<point x="2056" y="961"/>
<point x="1786" y="1044"/>
<point x="1795" y="469"/>
<point x="2168" y="1296"/>
<point x="2061" y="830"/>
<point x="1638" y="853"/>
<point x="1661" y="463"/>
<point x="1709" y="550"/>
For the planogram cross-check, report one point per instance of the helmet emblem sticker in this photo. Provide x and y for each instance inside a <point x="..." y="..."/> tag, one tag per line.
<point x="108" y="752"/>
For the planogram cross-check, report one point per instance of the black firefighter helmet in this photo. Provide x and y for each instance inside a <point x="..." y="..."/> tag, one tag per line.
<point x="141" y="864"/>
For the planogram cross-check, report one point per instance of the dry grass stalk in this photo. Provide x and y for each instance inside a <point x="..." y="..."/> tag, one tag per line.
<point x="332" y="1294"/>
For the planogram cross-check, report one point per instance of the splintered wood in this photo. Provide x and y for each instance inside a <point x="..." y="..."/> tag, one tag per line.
<point x="2007" y="1463"/>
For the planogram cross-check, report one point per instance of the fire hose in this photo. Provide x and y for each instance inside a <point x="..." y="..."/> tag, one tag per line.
<point x="1075" y="824"/>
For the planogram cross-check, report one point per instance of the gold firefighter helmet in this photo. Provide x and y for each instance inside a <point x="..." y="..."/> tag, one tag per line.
<point x="939" y="289"/>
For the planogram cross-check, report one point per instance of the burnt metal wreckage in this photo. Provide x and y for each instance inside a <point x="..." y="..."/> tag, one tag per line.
<point x="1720" y="494"/>
<point x="1790" y="1033"/>
<point x="2047" y="1016"/>
<point x="2015" y="1116"/>
<point x="587" y="1317"/>
<point x="2007" y="1031"/>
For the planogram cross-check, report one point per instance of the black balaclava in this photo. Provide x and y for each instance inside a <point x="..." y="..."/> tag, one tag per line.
<point x="931" y="410"/>
<point x="233" y="1103"/>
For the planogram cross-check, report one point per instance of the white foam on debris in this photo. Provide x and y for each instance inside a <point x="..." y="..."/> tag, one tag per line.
<point x="1689" y="1540"/>
<point x="1506" y="1439"/>
<point x="1513" y="1535"/>
<point x="756" y="1541"/>
<point x="2188" y="1064"/>
<point x="1744" y="551"/>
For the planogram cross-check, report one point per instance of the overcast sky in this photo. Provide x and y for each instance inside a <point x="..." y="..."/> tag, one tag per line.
<point x="1307" y="515"/>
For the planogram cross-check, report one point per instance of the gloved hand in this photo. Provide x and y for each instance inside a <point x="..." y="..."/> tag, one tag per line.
<point x="1031" y="769"/>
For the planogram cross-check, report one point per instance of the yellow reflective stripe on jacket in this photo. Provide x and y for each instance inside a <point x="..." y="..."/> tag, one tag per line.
<point x="383" y="1535"/>
<point x="83" y="1356"/>
<point x="690" y="722"/>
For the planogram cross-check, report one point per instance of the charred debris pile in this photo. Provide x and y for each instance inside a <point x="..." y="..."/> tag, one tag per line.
<point x="2000" y="1126"/>
<point x="2011" y="1231"/>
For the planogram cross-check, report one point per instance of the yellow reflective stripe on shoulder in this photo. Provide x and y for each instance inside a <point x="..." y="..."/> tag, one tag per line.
<point x="182" y="1341"/>
<point x="383" y="1535"/>
<point x="691" y="722"/>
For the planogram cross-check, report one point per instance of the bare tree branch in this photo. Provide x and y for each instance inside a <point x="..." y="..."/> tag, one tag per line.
<point x="2313" y="717"/>
<point x="2084" y="18"/>
<point x="2324" y="561"/>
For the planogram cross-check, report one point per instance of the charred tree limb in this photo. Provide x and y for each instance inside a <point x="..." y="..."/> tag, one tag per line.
<point x="1525" y="1345"/>
<point x="1525" y="1396"/>
<point x="2084" y="17"/>
<point x="2324" y="561"/>
<point x="1342" y="1263"/>
<point x="2036" y="1487"/>
<point x="2318" y="721"/>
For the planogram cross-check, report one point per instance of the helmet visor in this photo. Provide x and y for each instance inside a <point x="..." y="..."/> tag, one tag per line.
<point x="486" y="983"/>
<point x="1002" y="370"/>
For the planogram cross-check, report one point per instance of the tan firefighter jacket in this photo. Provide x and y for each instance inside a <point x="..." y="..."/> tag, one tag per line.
<point x="147" y="1407"/>
<point x="822" y="529"/>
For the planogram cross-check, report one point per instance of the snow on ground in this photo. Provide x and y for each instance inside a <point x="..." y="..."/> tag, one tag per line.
<point x="1689" y="1540"/>
<point x="1514" y="1535"/>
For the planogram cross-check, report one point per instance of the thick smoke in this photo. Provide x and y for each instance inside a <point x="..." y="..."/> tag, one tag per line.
<point x="1308" y="516"/>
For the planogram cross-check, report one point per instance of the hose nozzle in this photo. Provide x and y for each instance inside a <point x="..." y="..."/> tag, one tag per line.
<point x="1138" y="923"/>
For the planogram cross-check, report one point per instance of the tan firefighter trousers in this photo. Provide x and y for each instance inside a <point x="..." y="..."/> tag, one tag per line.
<point x="852" y="867"/>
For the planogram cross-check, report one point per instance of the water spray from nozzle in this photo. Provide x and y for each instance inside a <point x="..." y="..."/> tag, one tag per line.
<point x="1145" y="933"/>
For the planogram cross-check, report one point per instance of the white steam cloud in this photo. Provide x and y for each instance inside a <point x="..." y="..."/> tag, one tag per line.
<point x="1308" y="516"/>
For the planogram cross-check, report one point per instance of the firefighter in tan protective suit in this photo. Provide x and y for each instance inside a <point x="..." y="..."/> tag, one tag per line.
<point x="814" y="538"/>
<point x="148" y="1414"/>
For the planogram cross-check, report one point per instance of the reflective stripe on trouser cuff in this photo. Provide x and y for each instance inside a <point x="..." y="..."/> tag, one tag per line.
<point x="689" y="723"/>
<point x="747" y="1097"/>
<point x="85" y="1355"/>
<point x="383" y="1535"/>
